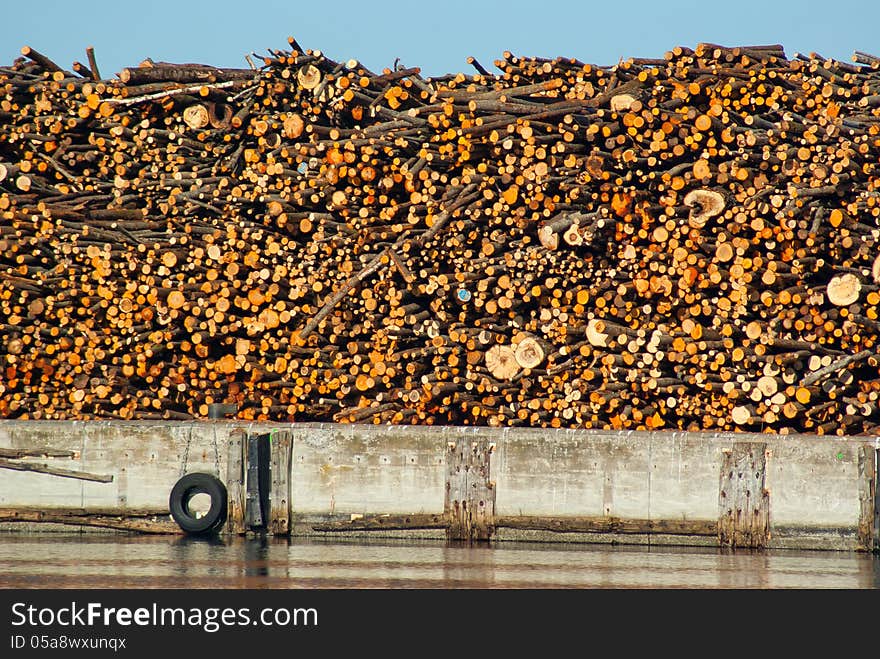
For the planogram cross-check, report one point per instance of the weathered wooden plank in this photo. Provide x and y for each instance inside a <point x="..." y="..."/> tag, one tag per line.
<point x="386" y="523"/>
<point x="470" y="495"/>
<point x="867" y="499"/>
<point x="77" y="517"/>
<point x="574" y="524"/>
<point x="609" y="525"/>
<point x="455" y="491"/>
<point x="235" y="481"/>
<point x="743" y="501"/>
<point x="281" y="452"/>
<point x="253" y="510"/>
<point x="55" y="471"/>
<point x="876" y="542"/>
<point x="876" y="529"/>
<point x="15" y="453"/>
<point x="130" y="513"/>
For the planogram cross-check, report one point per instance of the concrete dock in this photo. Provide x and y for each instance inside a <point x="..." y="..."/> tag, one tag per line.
<point x="724" y="489"/>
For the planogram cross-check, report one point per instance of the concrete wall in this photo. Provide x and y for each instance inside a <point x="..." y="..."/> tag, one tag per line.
<point x="343" y="471"/>
<point x="813" y="481"/>
<point x="145" y="460"/>
<point x="353" y="469"/>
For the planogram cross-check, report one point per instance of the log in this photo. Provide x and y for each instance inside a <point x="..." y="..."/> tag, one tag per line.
<point x="308" y="77"/>
<point x="622" y="102"/>
<point x="835" y="366"/>
<point x="529" y="353"/>
<point x="594" y="335"/>
<point x="501" y="362"/>
<point x="704" y="204"/>
<point x="196" y="116"/>
<point x="844" y="289"/>
<point x="93" y="63"/>
<point x="40" y="59"/>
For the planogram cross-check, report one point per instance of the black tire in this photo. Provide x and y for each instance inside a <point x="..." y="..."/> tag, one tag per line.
<point x="183" y="492"/>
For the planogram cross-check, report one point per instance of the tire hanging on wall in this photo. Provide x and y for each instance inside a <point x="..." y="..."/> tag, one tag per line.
<point x="182" y="493"/>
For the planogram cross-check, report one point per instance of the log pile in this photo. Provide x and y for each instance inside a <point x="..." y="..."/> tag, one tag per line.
<point x="687" y="242"/>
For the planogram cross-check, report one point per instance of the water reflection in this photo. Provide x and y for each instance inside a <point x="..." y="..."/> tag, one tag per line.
<point x="256" y="556"/>
<point x="187" y="550"/>
<point x="463" y="563"/>
<point x="60" y="560"/>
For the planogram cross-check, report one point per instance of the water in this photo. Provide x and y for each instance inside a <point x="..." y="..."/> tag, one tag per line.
<point x="62" y="560"/>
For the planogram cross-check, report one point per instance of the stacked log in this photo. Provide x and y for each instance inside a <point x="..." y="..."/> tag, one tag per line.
<point x="687" y="242"/>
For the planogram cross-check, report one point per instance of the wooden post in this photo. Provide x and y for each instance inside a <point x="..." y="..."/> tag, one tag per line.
<point x="868" y="513"/>
<point x="255" y="484"/>
<point x="876" y="529"/>
<point x="743" y="502"/>
<point x="470" y="495"/>
<point x="235" y="482"/>
<point x="281" y="450"/>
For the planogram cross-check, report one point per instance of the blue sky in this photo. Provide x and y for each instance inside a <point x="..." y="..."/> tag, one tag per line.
<point x="437" y="36"/>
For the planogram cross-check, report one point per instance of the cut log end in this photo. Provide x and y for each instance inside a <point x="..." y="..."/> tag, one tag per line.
<point x="572" y="236"/>
<point x="844" y="289"/>
<point x="501" y="362"/>
<point x="704" y="204"/>
<point x="196" y="116"/>
<point x="176" y="300"/>
<point x="293" y="126"/>
<point x="594" y="336"/>
<point x="742" y="415"/>
<point x="768" y="385"/>
<point x="529" y="353"/>
<point x="548" y="238"/>
<point x="622" y="102"/>
<point x="220" y="115"/>
<point x="308" y="77"/>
